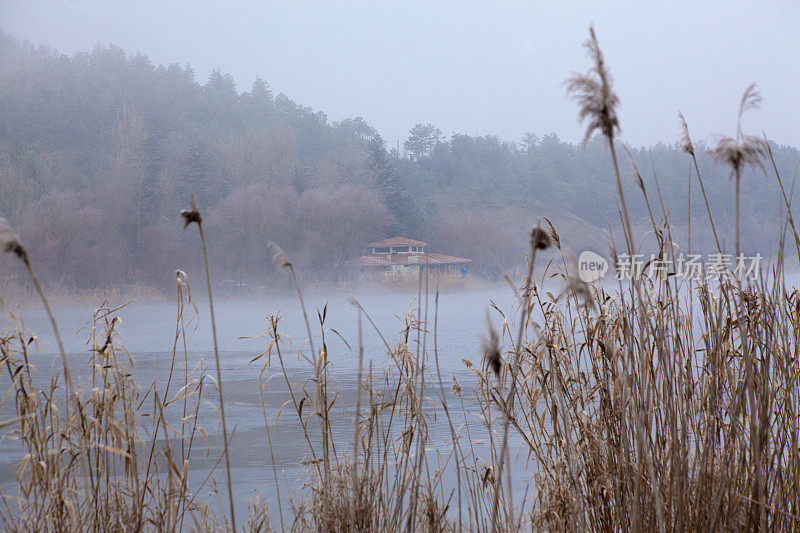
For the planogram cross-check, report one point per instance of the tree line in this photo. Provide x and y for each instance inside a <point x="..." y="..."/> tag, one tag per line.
<point x="99" y="152"/>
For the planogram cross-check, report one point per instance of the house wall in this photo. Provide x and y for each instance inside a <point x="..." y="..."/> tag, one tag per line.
<point x="398" y="250"/>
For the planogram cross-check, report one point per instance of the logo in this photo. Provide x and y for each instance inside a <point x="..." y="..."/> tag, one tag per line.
<point x="591" y="266"/>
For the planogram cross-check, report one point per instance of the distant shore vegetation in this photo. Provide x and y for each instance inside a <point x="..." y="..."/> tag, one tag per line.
<point x="99" y="150"/>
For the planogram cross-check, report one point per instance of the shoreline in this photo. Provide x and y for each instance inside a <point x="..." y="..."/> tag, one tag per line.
<point x="14" y="296"/>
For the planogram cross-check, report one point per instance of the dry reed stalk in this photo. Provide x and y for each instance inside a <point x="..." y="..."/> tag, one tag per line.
<point x="9" y="242"/>
<point x="280" y="259"/>
<point x="190" y="216"/>
<point x="419" y="393"/>
<point x="597" y="103"/>
<point x="741" y="151"/>
<point x="539" y="240"/>
<point x="786" y="201"/>
<point x="298" y="405"/>
<point x="261" y="387"/>
<point x="453" y="435"/>
<point x="357" y="424"/>
<point x="688" y="147"/>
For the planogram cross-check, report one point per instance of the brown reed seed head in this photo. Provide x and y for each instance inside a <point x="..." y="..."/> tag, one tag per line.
<point x="456" y="387"/>
<point x="686" y="144"/>
<point x="744" y="149"/>
<point x="192" y="214"/>
<point x="540" y="239"/>
<point x="279" y="257"/>
<point x="737" y="154"/>
<point x="189" y="216"/>
<point x="580" y="289"/>
<point x="636" y="173"/>
<point x="491" y="349"/>
<point x="751" y="99"/>
<point x="593" y="91"/>
<point x="553" y="234"/>
<point x="9" y="241"/>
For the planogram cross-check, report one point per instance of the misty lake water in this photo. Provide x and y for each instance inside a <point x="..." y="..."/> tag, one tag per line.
<point x="147" y="330"/>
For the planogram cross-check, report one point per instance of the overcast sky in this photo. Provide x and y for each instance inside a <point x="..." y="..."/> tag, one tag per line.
<point x="473" y="68"/>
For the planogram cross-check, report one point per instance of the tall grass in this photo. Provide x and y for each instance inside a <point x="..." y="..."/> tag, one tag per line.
<point x="139" y="477"/>
<point x="661" y="404"/>
<point x="192" y="216"/>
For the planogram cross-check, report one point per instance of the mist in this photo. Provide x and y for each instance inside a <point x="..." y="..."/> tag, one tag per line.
<point x="373" y="267"/>
<point x="481" y="68"/>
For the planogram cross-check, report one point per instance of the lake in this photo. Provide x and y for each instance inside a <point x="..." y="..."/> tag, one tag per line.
<point x="147" y="330"/>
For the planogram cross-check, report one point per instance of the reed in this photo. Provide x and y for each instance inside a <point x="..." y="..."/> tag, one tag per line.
<point x="741" y="151"/>
<point x="658" y="404"/>
<point x="597" y="106"/>
<point x="9" y="242"/>
<point x="191" y="216"/>
<point x="714" y="406"/>
<point x="135" y="482"/>
<point x="688" y="147"/>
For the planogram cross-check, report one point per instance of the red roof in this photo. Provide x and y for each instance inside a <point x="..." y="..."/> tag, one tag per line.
<point x="398" y="241"/>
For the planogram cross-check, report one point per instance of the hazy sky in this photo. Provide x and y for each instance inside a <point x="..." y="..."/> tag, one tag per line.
<point x="471" y="67"/>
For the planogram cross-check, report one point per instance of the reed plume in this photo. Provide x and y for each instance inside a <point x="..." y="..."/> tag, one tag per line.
<point x="593" y="91"/>
<point x="9" y="241"/>
<point x="597" y="107"/>
<point x="687" y="146"/>
<point x="490" y="346"/>
<point x="192" y="215"/>
<point x="741" y="151"/>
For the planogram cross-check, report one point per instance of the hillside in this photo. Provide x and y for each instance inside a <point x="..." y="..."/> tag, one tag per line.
<point x="100" y="151"/>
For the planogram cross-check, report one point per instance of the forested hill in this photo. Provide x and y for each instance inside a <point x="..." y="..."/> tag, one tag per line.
<point x="100" y="151"/>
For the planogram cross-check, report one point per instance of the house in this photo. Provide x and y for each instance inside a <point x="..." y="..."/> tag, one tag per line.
<point x="404" y="257"/>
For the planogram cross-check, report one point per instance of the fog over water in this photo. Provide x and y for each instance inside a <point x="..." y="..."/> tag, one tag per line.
<point x="150" y="327"/>
<point x="261" y="147"/>
<point x="147" y="331"/>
